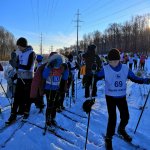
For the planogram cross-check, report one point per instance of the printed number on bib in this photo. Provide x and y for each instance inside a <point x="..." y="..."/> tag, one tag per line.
<point x="55" y="80"/>
<point x="118" y="83"/>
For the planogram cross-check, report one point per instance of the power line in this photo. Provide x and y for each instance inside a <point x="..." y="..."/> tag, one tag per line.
<point x="89" y="7"/>
<point x="104" y="20"/>
<point x="99" y="8"/>
<point x="116" y="12"/>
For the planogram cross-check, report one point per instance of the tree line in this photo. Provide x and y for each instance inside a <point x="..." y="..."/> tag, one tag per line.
<point x="7" y="43"/>
<point x="131" y="36"/>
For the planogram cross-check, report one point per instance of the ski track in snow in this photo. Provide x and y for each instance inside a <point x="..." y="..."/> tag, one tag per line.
<point x="30" y="137"/>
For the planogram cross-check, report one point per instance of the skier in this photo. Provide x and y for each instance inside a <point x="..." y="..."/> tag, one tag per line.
<point x="115" y="75"/>
<point x="39" y="59"/>
<point x="90" y="58"/>
<point x="25" y="72"/>
<point x="131" y="61"/>
<point x="10" y="74"/>
<point x="142" y="62"/>
<point x="72" y="66"/>
<point x="135" y="59"/>
<point x="39" y="101"/>
<point x="53" y="73"/>
<point x="82" y="71"/>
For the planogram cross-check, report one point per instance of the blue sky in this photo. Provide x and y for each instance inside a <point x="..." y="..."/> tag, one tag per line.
<point x="55" y="19"/>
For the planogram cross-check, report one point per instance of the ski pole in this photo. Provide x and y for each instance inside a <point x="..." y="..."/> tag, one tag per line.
<point x="87" y="130"/>
<point x="93" y="100"/>
<point x="142" y="112"/>
<point x="76" y="86"/>
<point x="46" y="113"/>
<point x="5" y="93"/>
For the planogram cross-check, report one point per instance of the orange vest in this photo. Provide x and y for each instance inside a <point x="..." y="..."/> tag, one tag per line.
<point x="82" y="70"/>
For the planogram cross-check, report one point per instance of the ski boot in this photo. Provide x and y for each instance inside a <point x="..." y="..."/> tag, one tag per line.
<point x="59" y="109"/>
<point x="53" y="122"/>
<point x="25" y="117"/>
<point x="124" y="135"/>
<point x="11" y="119"/>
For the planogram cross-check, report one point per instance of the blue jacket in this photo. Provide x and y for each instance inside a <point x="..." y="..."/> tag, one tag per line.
<point x="46" y="73"/>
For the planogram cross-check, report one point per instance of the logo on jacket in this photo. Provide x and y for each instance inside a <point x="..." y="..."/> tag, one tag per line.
<point x="118" y="76"/>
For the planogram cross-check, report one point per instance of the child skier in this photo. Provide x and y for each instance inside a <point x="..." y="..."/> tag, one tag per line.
<point x="25" y="73"/>
<point x="115" y="75"/>
<point x="53" y="73"/>
<point x="39" y="101"/>
<point x="39" y="59"/>
<point x="90" y="58"/>
<point x="72" y="66"/>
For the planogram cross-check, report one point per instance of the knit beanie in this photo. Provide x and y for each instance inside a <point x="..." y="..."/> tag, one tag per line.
<point x="92" y="47"/>
<point x="22" y="42"/>
<point x="56" y="59"/>
<point x="39" y="57"/>
<point x="70" y="57"/>
<point x="114" y="54"/>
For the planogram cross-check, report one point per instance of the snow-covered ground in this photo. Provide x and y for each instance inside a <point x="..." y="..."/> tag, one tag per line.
<point x="26" y="136"/>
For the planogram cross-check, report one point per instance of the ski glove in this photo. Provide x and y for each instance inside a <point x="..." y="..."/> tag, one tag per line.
<point x="87" y="105"/>
<point x="94" y="67"/>
<point x="147" y="81"/>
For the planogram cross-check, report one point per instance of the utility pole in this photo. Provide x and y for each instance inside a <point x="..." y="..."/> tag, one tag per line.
<point x="77" y="21"/>
<point x="52" y="48"/>
<point x="41" y="51"/>
<point x="77" y="49"/>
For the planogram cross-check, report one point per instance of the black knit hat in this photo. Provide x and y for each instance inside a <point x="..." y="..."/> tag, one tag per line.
<point x="114" y="54"/>
<point x="70" y="56"/>
<point x="92" y="47"/>
<point x="22" y="42"/>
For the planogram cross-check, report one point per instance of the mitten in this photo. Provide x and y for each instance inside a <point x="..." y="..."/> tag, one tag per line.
<point x="87" y="105"/>
<point x="94" y="67"/>
<point x="148" y="81"/>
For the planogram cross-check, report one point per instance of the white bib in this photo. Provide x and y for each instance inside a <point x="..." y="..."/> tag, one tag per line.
<point x="115" y="82"/>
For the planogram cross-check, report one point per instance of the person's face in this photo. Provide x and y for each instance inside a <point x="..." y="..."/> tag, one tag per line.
<point x="114" y="63"/>
<point x="21" y="48"/>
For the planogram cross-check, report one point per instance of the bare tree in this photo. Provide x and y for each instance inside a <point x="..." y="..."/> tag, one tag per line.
<point x="6" y="43"/>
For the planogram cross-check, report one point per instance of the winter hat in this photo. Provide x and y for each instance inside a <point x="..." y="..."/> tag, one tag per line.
<point x="39" y="57"/>
<point x="56" y="59"/>
<point x="70" y="57"/>
<point x="22" y="42"/>
<point x="92" y="47"/>
<point x="114" y="54"/>
<point x="52" y="53"/>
